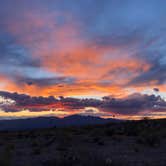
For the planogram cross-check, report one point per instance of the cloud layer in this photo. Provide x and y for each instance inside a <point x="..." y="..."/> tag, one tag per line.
<point x="132" y="105"/>
<point x="86" y="49"/>
<point x="57" y="44"/>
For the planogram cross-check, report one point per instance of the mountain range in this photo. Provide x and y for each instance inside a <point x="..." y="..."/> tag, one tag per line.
<point x="48" y="122"/>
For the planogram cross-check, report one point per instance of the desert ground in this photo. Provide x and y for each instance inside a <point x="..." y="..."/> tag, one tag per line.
<point x="132" y="143"/>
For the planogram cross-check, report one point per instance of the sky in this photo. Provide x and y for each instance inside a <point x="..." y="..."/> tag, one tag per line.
<point x="91" y="57"/>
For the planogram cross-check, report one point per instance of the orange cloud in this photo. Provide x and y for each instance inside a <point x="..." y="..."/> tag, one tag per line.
<point x="63" y="49"/>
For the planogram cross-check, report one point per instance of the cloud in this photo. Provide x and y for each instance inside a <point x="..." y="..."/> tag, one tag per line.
<point x="41" y="82"/>
<point x="156" y="89"/>
<point x="132" y="105"/>
<point x="56" y="48"/>
<point x="156" y="73"/>
<point x="79" y="56"/>
<point x="24" y="100"/>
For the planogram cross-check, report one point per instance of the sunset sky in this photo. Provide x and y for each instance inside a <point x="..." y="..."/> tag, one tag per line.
<point x="103" y="57"/>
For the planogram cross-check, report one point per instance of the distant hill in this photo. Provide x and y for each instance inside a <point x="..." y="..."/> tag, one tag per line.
<point x="47" y="122"/>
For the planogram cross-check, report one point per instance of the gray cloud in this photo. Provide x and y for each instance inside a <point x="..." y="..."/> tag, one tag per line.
<point x="131" y="105"/>
<point x="134" y="104"/>
<point x="156" y="72"/>
<point x="45" y="81"/>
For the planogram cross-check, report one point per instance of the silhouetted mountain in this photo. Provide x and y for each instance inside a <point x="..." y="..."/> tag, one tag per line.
<point x="48" y="122"/>
<point x="85" y="120"/>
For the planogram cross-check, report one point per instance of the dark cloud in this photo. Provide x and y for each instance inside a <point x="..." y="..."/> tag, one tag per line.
<point x="134" y="104"/>
<point x="26" y="100"/>
<point x="15" y="60"/>
<point x="15" y="55"/>
<point x="155" y="73"/>
<point x="156" y="89"/>
<point x="80" y="103"/>
<point x="154" y="55"/>
<point x="131" y="105"/>
<point x="45" y="81"/>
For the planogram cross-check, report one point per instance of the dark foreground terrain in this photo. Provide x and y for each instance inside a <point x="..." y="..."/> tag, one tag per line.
<point x="141" y="143"/>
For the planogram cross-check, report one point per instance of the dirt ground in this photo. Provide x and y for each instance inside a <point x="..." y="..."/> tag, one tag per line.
<point x="124" y="144"/>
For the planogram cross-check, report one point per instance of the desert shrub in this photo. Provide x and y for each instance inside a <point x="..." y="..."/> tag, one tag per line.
<point x="20" y="136"/>
<point x="35" y="143"/>
<point x="117" y="138"/>
<point x="89" y="160"/>
<point x="64" y="142"/>
<point x="50" y="141"/>
<point x="96" y="139"/>
<point x="49" y="135"/>
<point x="61" y="147"/>
<point x="36" y="151"/>
<point x="101" y="143"/>
<point x="132" y="129"/>
<point x="5" y="158"/>
<point x="151" y="140"/>
<point x="109" y="132"/>
<point x="136" y="149"/>
<point x="117" y="162"/>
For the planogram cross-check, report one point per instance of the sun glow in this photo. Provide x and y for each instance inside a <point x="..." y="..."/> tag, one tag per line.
<point x="29" y="114"/>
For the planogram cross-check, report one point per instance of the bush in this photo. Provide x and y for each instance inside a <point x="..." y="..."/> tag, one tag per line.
<point x="109" y="132"/>
<point x="5" y="159"/>
<point x="151" y="140"/>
